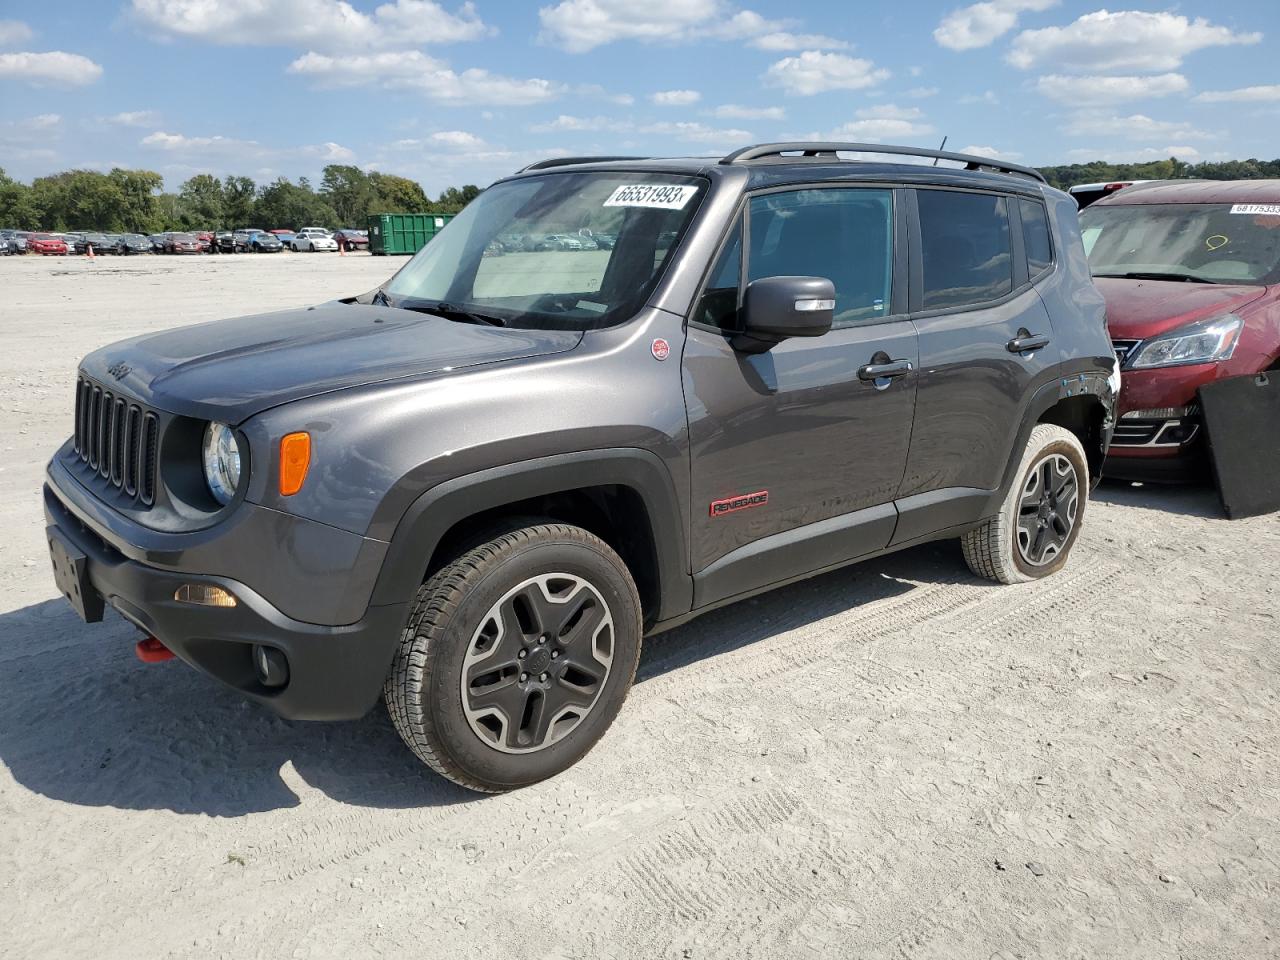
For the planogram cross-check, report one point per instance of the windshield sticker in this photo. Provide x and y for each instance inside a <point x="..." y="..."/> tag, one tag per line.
<point x="1257" y="209"/>
<point x="1216" y="241"/>
<point x="662" y="196"/>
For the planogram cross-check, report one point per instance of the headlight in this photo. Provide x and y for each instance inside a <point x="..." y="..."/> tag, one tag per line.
<point x="1201" y="342"/>
<point x="221" y="462"/>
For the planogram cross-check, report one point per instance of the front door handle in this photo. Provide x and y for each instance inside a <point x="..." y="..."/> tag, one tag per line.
<point x="883" y="371"/>
<point x="1025" y="342"/>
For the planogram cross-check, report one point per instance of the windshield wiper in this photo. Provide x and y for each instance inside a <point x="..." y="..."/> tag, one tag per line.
<point x="450" y="312"/>
<point x="1156" y="275"/>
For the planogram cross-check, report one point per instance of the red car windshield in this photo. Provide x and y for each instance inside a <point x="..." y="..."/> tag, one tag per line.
<point x="1199" y="242"/>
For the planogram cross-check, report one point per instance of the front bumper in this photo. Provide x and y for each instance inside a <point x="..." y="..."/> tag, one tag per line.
<point x="335" y="672"/>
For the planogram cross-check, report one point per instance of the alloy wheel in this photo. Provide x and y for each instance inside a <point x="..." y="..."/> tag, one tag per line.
<point x="1047" y="509"/>
<point x="537" y="663"/>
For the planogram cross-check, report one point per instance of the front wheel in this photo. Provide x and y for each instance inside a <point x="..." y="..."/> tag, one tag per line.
<point x="517" y="657"/>
<point x="1039" y="521"/>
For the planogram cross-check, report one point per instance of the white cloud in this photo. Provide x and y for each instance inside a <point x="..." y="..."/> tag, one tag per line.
<point x="919" y="93"/>
<point x="815" y="72"/>
<point x="230" y="148"/>
<point x="1129" y="40"/>
<point x="575" y="124"/>
<point x="695" y="132"/>
<point x="414" y="70"/>
<point x="992" y="152"/>
<point x="987" y="96"/>
<point x="1094" y="89"/>
<point x="981" y="24"/>
<point x="595" y="90"/>
<point x="44" y="121"/>
<point x="582" y="25"/>
<point x="132" y="118"/>
<point x="13" y="32"/>
<point x="733" y="111"/>
<point x="1133" y="127"/>
<point x="782" y="40"/>
<point x="886" y="121"/>
<point x="55" y="69"/>
<point x="457" y="139"/>
<point x="319" y="24"/>
<point x="1268" y="93"/>
<point x="1133" y="155"/>
<point x="675" y="98"/>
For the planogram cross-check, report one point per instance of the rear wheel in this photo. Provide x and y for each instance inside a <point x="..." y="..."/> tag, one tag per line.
<point x="1039" y="521"/>
<point x="517" y="657"/>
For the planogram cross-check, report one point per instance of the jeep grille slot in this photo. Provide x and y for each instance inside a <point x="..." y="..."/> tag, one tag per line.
<point x="118" y="440"/>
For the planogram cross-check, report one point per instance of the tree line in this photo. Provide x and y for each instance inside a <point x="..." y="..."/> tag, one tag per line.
<point x="134" y="201"/>
<point x="1098" y="171"/>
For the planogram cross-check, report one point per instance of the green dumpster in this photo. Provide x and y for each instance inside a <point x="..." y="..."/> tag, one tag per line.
<point x="392" y="234"/>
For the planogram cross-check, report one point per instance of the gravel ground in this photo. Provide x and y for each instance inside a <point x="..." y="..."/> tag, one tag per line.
<point x="895" y="760"/>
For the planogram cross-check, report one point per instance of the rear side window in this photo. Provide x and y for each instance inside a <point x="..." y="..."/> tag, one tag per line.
<point x="1035" y="237"/>
<point x="967" y="255"/>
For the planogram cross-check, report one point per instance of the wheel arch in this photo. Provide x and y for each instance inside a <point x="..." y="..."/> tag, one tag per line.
<point x="624" y="496"/>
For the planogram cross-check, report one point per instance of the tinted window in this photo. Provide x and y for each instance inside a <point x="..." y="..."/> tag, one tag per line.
<point x="845" y="236"/>
<point x="719" y="304"/>
<point x="967" y="257"/>
<point x="1035" y="236"/>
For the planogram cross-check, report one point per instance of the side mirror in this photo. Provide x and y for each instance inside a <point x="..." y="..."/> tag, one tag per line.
<point x="775" y="308"/>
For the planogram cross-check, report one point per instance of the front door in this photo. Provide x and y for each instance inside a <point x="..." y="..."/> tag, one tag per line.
<point x="795" y="458"/>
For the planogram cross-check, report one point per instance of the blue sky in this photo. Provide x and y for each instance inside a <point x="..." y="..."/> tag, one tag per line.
<point x="450" y="93"/>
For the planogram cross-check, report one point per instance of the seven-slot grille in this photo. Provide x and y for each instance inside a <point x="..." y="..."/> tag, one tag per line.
<point x="1124" y="348"/>
<point x="118" y="438"/>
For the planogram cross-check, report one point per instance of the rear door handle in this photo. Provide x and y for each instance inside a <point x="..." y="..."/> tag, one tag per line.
<point x="880" y="371"/>
<point x="1027" y="343"/>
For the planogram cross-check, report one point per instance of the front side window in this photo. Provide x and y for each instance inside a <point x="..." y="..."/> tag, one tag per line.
<point x="966" y="249"/>
<point x="719" y="304"/>
<point x="1197" y="242"/>
<point x="845" y="236"/>
<point x="563" y="251"/>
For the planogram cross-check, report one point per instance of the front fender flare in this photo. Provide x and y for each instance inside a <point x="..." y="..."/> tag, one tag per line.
<point x="438" y="509"/>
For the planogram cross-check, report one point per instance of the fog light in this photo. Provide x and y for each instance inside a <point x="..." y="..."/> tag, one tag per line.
<point x="204" y="595"/>
<point x="1176" y="432"/>
<point x="1158" y="413"/>
<point x="271" y="665"/>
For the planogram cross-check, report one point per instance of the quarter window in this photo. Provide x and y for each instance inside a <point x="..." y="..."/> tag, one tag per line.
<point x="719" y="304"/>
<point x="845" y="236"/>
<point x="1035" y="237"/>
<point x="966" y="249"/>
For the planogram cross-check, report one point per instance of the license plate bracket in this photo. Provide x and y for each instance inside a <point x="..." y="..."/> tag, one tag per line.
<point x="71" y="574"/>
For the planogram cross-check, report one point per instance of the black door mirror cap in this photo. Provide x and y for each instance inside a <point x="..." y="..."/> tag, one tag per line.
<point x="776" y="308"/>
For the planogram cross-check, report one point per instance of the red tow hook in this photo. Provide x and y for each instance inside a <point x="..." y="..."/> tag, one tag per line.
<point x="151" y="650"/>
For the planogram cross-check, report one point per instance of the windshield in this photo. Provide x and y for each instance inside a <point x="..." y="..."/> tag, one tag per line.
<point x="566" y="251"/>
<point x="1209" y="242"/>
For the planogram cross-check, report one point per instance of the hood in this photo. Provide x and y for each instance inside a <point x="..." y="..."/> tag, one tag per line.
<point x="1138" y="309"/>
<point x="231" y="369"/>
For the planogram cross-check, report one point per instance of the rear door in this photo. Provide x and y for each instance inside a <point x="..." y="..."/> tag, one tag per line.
<point x="986" y="344"/>
<point x="795" y="459"/>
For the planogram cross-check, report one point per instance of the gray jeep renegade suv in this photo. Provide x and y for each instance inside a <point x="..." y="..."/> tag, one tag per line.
<point x="473" y="490"/>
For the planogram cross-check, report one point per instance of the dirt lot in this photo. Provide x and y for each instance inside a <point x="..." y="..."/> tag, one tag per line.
<point x="895" y="760"/>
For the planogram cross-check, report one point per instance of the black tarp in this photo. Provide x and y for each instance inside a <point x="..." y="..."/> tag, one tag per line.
<point x="1242" y="420"/>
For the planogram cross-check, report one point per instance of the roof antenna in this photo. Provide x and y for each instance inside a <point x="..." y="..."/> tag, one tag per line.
<point x="940" y="149"/>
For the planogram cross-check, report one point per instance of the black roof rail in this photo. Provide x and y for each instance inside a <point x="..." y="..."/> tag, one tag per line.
<point x="829" y="148"/>
<point x="569" y="161"/>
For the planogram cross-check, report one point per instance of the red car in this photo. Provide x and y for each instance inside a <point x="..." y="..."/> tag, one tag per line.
<point x="45" y="244"/>
<point x="352" y="239"/>
<point x="1191" y="275"/>
<point x="182" y="243"/>
<point x="205" y="239"/>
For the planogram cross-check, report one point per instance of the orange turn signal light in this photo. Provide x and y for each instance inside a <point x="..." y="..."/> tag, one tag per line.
<point x="295" y="457"/>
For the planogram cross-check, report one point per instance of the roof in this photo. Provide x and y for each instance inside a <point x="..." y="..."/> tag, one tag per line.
<point x="779" y="171"/>
<point x="1196" y="191"/>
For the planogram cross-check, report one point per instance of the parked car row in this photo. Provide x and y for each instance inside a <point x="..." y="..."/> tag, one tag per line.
<point x="246" y="240"/>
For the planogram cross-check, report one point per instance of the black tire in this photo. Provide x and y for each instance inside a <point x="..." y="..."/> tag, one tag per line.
<point x="453" y="628"/>
<point x="1007" y="548"/>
